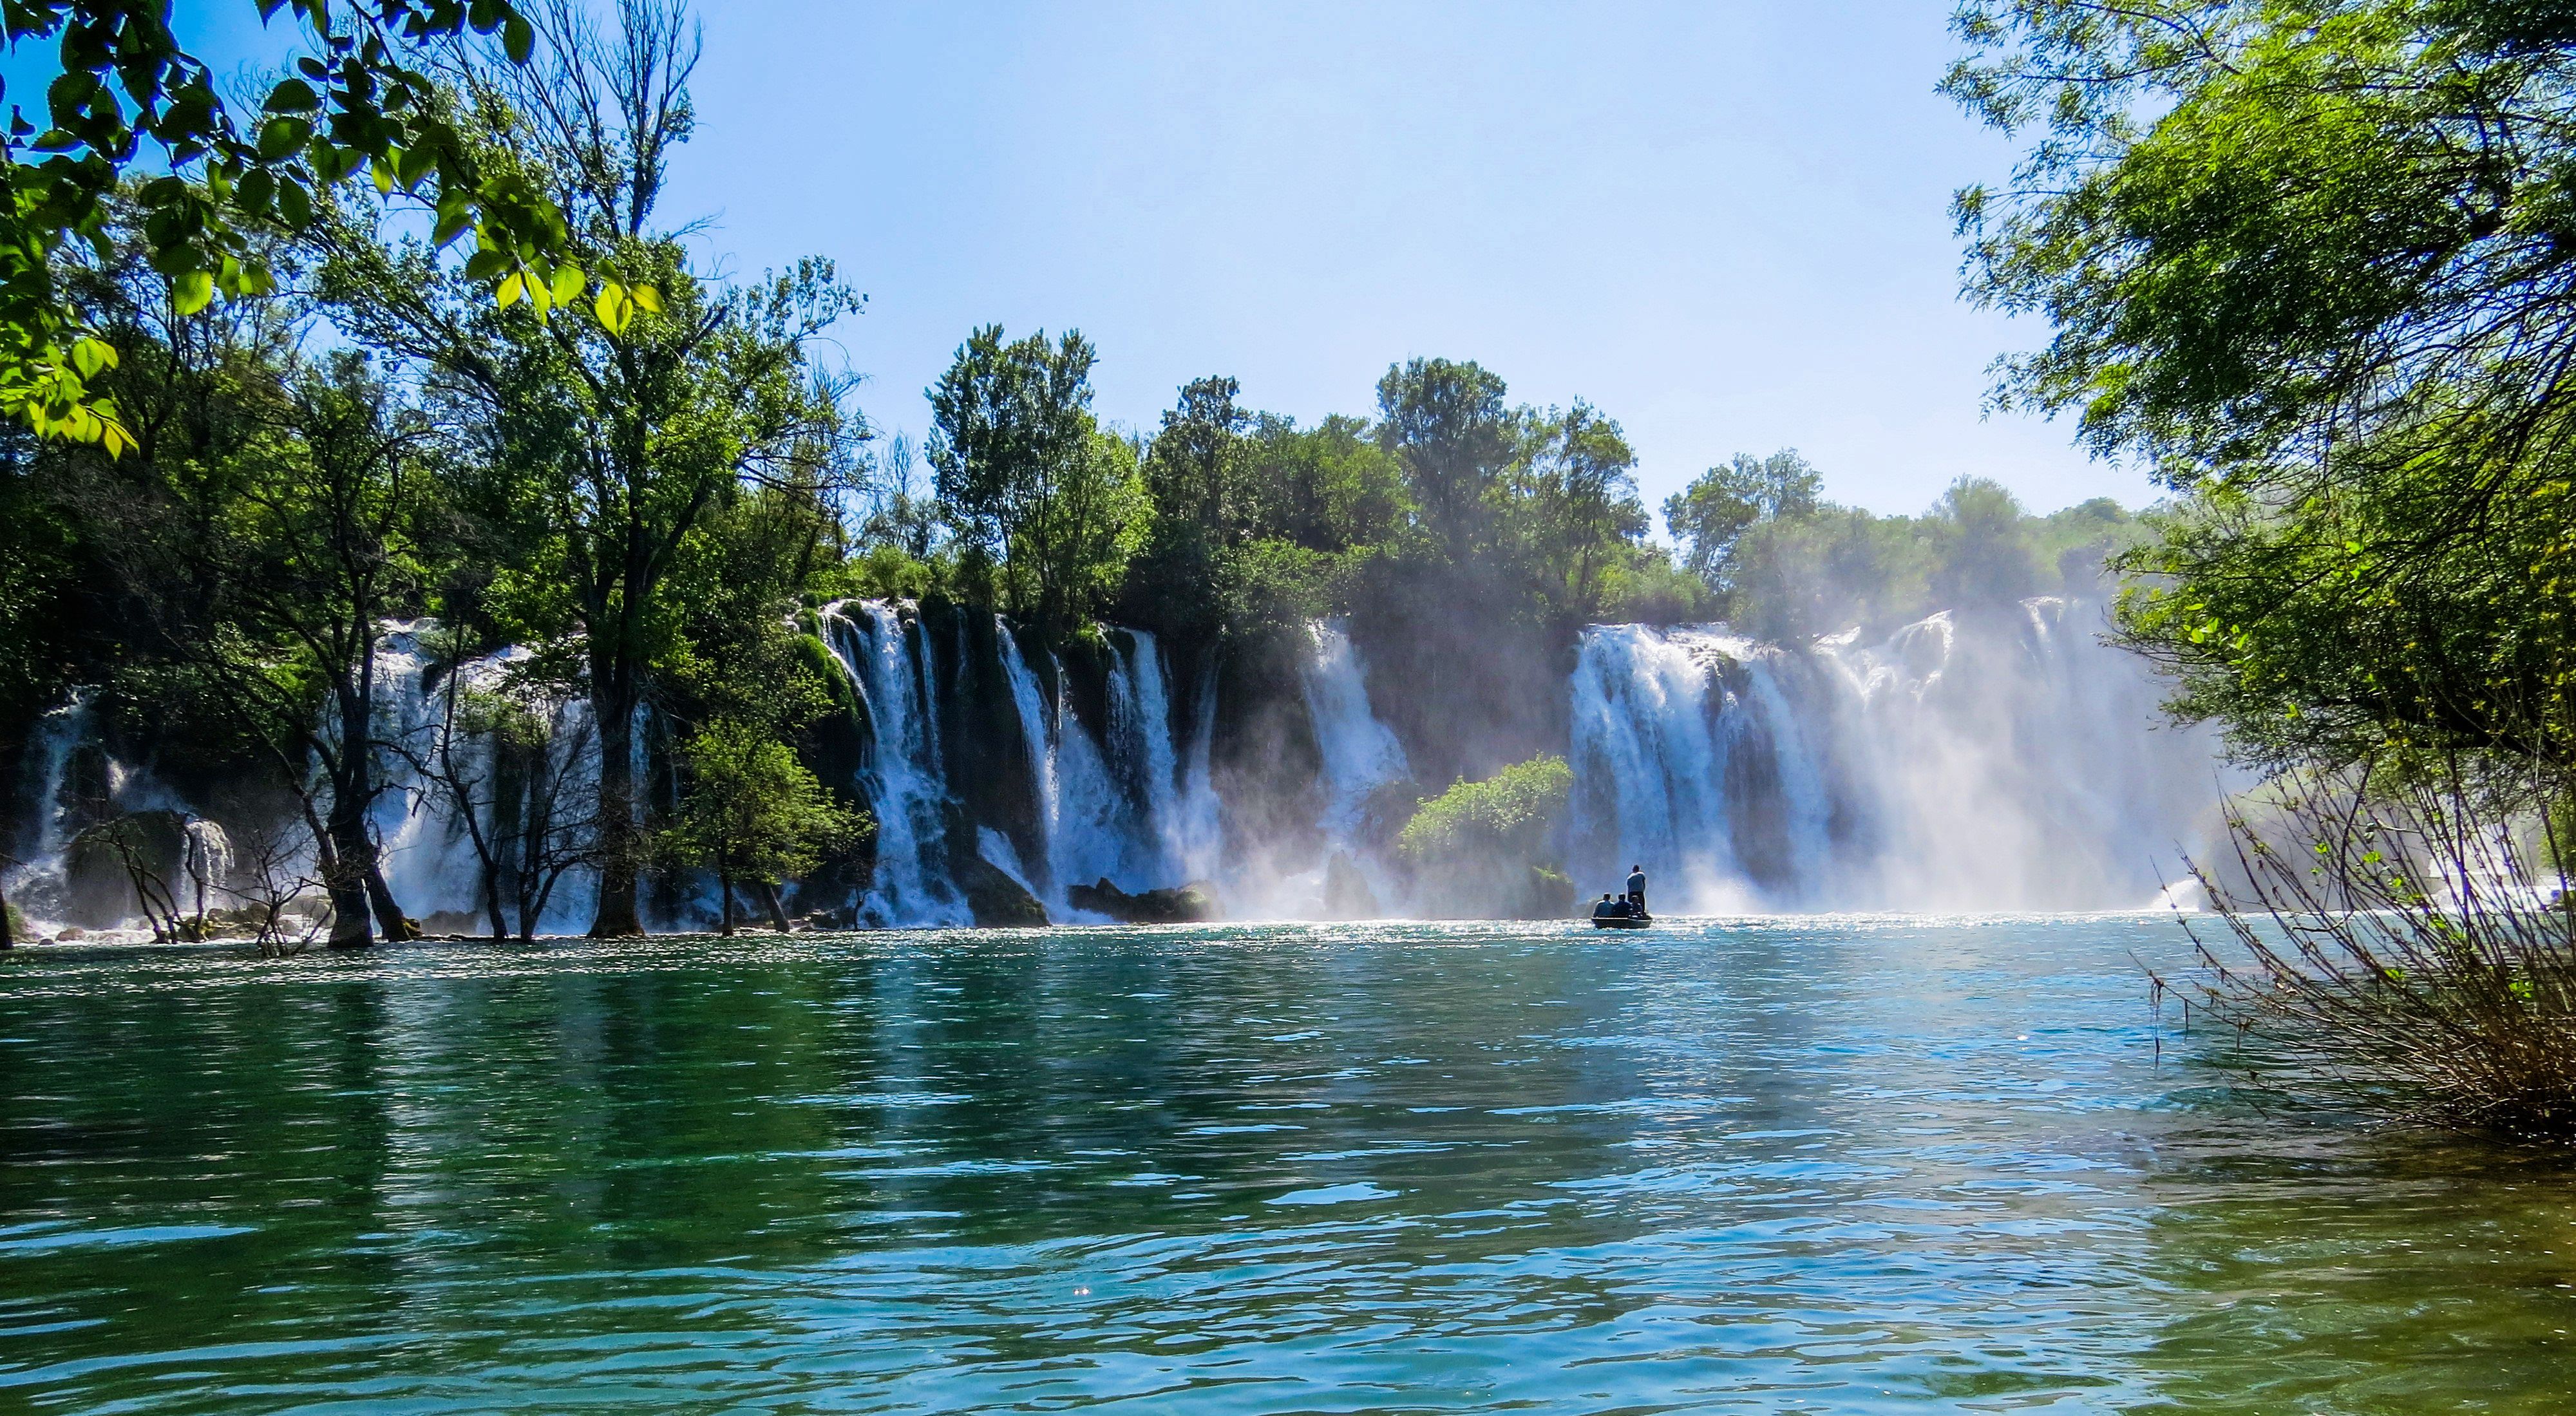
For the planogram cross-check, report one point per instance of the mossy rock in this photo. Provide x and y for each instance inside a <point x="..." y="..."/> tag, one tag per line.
<point x="998" y="901"/>
<point x="1193" y="903"/>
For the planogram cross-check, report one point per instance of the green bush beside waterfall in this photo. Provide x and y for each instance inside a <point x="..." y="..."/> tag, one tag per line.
<point x="1495" y="847"/>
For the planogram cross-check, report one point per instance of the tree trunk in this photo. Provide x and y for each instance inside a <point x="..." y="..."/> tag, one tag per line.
<point x="352" y="791"/>
<point x="724" y="893"/>
<point x="347" y="861"/>
<point x="8" y="936"/>
<point x="767" y="890"/>
<point x="380" y="897"/>
<point x="612" y="703"/>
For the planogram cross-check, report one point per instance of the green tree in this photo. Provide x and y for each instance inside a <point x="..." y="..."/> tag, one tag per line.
<point x="1029" y="478"/>
<point x="1578" y="512"/>
<point x="1329" y="488"/>
<point x="1194" y="466"/>
<point x="1982" y="550"/>
<point x="2308" y="262"/>
<point x="273" y="516"/>
<point x="753" y="815"/>
<point x="1447" y="426"/>
<point x="606" y="435"/>
<point x="1710" y="515"/>
<point x="1495" y="846"/>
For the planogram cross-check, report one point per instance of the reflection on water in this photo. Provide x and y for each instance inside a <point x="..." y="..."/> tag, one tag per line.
<point x="1818" y="1166"/>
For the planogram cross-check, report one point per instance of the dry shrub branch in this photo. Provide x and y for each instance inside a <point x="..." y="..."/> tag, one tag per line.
<point x="2418" y="943"/>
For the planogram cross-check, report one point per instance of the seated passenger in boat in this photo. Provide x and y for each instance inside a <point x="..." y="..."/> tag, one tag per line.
<point x="1609" y="908"/>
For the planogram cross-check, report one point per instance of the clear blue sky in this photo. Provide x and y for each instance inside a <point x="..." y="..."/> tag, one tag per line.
<point x="1723" y="223"/>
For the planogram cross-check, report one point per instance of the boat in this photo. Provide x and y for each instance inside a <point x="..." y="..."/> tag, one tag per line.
<point x="1622" y="921"/>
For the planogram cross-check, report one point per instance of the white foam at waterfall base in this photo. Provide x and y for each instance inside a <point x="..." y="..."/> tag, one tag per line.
<point x="2003" y="763"/>
<point x="1357" y="754"/>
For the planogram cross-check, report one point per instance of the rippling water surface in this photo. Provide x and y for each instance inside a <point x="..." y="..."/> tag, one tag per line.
<point x="1810" y="1166"/>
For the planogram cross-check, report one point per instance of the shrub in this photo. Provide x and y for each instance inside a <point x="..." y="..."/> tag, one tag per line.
<point x="2411" y="948"/>
<point x="1508" y="815"/>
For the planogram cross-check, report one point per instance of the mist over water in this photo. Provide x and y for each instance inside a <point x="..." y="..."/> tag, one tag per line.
<point x="2006" y="763"/>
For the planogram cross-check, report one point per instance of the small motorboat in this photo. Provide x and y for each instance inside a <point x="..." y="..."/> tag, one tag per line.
<point x="1622" y="921"/>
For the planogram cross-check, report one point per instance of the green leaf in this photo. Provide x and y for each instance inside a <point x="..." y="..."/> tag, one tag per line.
<point x="92" y="355"/>
<point x="192" y="292"/>
<point x="256" y="191"/>
<point x="613" y="308"/>
<point x="293" y="96"/>
<point x="486" y="263"/>
<point x="568" y="281"/>
<point x="511" y="289"/>
<point x="646" y="298"/>
<point x="280" y="137"/>
<point x="518" y="39"/>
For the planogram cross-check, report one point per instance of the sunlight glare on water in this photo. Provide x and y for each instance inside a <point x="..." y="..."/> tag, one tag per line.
<point x="1811" y="1165"/>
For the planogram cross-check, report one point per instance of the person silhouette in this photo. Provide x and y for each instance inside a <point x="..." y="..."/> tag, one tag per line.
<point x="1637" y="889"/>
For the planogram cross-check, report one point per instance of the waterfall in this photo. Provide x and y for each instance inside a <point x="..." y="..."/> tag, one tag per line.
<point x="1359" y="753"/>
<point x="2008" y="763"/>
<point x="1962" y="762"/>
<point x="1090" y="828"/>
<point x="530" y="809"/>
<point x="205" y="865"/>
<point x="422" y="847"/>
<point x="1194" y="834"/>
<point x="902" y="777"/>
<point x="35" y="881"/>
<point x="1649" y="723"/>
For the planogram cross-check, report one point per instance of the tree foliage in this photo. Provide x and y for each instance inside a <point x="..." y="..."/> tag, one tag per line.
<point x="1029" y="479"/>
<point x="2310" y="261"/>
<point x="359" y="101"/>
<point x="753" y="814"/>
<point x="1507" y="816"/>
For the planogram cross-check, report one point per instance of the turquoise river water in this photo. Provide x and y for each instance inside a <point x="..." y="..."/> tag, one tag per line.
<point x="1838" y="1165"/>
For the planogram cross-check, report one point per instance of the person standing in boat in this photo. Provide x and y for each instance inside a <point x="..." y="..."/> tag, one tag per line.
<point x="1637" y="890"/>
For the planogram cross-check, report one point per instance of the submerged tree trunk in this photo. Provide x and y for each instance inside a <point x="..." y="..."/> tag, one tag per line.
<point x="347" y="860"/>
<point x="352" y="792"/>
<point x="390" y="920"/>
<point x="613" y="707"/>
<point x="724" y="894"/>
<point x="767" y="890"/>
